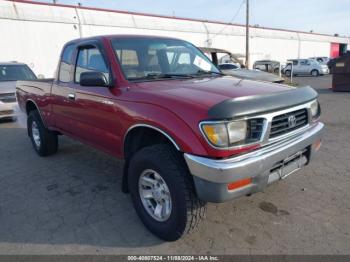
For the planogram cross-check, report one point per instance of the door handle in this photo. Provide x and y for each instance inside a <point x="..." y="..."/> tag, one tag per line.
<point x="71" y="96"/>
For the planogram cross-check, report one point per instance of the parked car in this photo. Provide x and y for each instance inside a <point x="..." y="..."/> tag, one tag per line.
<point x="305" y="67"/>
<point x="188" y="134"/>
<point x="10" y="72"/>
<point x="255" y="74"/>
<point x="270" y="66"/>
<point x="233" y="69"/>
<point x="323" y="60"/>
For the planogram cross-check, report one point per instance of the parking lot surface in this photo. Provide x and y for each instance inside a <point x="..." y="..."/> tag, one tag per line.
<point x="71" y="203"/>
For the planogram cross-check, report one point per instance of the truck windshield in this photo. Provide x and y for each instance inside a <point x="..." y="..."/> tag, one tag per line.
<point x="15" y="72"/>
<point x="147" y="59"/>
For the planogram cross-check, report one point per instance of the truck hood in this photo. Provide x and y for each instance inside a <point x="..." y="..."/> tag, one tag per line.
<point x="205" y="92"/>
<point x="217" y="98"/>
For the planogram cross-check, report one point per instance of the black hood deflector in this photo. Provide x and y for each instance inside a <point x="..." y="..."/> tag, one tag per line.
<point x="253" y="105"/>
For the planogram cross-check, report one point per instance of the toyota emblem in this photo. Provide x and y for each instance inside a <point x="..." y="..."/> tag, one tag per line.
<point x="292" y="121"/>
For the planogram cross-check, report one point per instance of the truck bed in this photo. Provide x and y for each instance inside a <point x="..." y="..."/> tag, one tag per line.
<point x="37" y="91"/>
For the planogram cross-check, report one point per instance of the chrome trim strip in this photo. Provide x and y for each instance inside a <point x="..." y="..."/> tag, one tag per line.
<point x="152" y="127"/>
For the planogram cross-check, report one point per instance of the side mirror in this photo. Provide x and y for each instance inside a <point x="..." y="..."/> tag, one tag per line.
<point x="93" y="79"/>
<point x="41" y="76"/>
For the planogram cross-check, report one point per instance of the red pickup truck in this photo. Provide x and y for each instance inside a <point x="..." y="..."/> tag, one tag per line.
<point x="188" y="134"/>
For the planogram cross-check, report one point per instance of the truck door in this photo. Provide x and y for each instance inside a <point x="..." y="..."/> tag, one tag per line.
<point x="95" y="113"/>
<point x="62" y="92"/>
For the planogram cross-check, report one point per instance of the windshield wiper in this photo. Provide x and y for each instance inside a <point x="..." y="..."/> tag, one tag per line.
<point x="155" y="76"/>
<point x="178" y="75"/>
<point x="204" y="72"/>
<point x="166" y="75"/>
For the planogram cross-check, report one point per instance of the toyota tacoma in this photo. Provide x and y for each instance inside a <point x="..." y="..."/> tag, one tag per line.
<point x="187" y="133"/>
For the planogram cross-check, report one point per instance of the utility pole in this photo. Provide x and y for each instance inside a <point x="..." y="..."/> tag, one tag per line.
<point x="247" y="36"/>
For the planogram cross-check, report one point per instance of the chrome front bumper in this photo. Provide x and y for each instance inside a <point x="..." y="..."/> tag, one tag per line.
<point x="211" y="176"/>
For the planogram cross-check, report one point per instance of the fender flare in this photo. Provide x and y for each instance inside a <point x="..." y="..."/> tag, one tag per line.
<point x="37" y="108"/>
<point x="151" y="127"/>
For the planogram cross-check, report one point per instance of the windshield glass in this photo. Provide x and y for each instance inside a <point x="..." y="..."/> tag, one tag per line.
<point x="15" y="72"/>
<point x="159" y="58"/>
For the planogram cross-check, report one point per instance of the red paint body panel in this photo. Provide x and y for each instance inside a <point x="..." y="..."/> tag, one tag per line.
<point x="101" y="116"/>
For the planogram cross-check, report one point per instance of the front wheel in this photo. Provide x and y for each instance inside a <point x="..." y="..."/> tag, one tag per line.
<point x="315" y="73"/>
<point x="163" y="193"/>
<point x="288" y="73"/>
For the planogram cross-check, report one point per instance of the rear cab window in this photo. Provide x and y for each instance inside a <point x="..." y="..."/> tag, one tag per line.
<point x="65" y="64"/>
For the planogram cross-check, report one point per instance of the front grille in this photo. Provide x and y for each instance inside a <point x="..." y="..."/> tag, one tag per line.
<point x="255" y="129"/>
<point x="280" y="124"/>
<point x="8" y="98"/>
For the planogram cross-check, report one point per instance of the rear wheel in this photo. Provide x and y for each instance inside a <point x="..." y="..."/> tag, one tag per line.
<point x="315" y="72"/>
<point x="45" y="142"/>
<point x="162" y="192"/>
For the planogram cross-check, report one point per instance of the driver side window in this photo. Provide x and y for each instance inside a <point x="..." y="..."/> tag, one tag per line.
<point x="90" y="59"/>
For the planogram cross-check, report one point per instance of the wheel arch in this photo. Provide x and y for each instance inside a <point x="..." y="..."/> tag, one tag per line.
<point x="315" y="70"/>
<point x="30" y="106"/>
<point x="139" y="128"/>
<point x="139" y="136"/>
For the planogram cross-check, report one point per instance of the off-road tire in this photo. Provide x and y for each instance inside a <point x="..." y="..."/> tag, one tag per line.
<point x="48" y="139"/>
<point x="187" y="209"/>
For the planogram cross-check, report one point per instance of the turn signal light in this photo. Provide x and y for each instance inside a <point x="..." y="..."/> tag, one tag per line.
<point x="239" y="183"/>
<point x="317" y="144"/>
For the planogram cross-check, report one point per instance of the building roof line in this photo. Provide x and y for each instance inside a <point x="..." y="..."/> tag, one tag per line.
<point x="170" y="17"/>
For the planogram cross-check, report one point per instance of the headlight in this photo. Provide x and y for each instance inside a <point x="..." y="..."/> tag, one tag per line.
<point x="225" y="134"/>
<point x="315" y="109"/>
<point x="237" y="131"/>
<point x="216" y="134"/>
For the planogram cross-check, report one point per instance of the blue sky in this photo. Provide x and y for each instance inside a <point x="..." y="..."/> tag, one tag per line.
<point x="321" y="16"/>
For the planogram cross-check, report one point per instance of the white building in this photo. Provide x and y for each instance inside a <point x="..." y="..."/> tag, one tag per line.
<point x="34" y="33"/>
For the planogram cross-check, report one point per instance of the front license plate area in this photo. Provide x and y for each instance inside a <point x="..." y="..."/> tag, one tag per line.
<point x="288" y="166"/>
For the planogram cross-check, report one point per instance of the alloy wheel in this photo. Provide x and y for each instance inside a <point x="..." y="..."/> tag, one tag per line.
<point x="155" y="195"/>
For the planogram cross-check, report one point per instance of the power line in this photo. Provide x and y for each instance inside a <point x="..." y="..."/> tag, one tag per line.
<point x="230" y="22"/>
